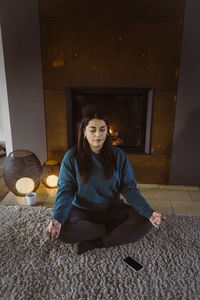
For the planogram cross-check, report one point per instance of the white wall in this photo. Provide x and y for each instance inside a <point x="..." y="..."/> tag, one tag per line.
<point x="23" y="69"/>
<point x="5" y="128"/>
<point x="2" y="134"/>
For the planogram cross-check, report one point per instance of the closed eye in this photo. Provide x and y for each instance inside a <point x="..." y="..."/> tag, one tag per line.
<point x="95" y="130"/>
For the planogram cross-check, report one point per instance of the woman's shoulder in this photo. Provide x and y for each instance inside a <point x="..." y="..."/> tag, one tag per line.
<point x="119" y="153"/>
<point x="70" y="154"/>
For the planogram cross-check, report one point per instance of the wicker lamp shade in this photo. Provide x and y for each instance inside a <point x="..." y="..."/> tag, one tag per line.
<point x="21" y="172"/>
<point x="50" y="173"/>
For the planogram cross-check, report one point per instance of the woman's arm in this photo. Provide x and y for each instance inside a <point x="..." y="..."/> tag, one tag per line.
<point x="128" y="188"/>
<point x="66" y="188"/>
<point x="133" y="196"/>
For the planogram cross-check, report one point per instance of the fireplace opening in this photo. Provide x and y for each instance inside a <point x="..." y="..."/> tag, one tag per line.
<point x="129" y="111"/>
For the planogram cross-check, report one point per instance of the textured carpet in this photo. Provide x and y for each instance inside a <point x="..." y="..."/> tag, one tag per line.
<point x="34" y="267"/>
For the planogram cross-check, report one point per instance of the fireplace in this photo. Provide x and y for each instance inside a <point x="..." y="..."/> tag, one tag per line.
<point x="128" y="109"/>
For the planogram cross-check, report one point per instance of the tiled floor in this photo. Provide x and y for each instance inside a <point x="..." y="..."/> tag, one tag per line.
<point x="163" y="198"/>
<point x="173" y="199"/>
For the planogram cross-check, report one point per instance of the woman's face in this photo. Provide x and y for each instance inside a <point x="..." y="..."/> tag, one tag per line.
<point x="95" y="133"/>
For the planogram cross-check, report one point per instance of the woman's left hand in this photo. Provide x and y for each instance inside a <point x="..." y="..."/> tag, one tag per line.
<point x="156" y="219"/>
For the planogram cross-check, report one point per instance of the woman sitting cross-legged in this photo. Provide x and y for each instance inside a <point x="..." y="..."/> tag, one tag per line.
<point x="88" y="209"/>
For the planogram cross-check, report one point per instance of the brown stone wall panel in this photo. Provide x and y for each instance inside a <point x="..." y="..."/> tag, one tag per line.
<point x="56" y="155"/>
<point x="111" y="8"/>
<point x="56" y="123"/>
<point x="163" y="122"/>
<point x="164" y="109"/>
<point x="162" y="142"/>
<point x="102" y="52"/>
<point x="151" y="169"/>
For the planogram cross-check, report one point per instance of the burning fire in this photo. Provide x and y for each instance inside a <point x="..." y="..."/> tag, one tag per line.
<point x="116" y="140"/>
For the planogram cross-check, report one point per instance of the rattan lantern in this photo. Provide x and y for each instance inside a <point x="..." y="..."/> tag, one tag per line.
<point x="50" y="173"/>
<point x="21" y="172"/>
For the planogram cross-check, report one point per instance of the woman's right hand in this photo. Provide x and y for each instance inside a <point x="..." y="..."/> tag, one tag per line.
<point x="54" y="228"/>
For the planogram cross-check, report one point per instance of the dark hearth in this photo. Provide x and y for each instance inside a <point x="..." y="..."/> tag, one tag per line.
<point x="128" y="109"/>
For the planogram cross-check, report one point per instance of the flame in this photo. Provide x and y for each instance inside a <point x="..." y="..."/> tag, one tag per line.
<point x="111" y="130"/>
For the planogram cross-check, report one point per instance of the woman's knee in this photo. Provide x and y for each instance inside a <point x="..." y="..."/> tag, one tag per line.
<point x="80" y="231"/>
<point x="137" y="218"/>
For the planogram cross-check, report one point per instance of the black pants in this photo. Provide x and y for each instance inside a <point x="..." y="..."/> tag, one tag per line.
<point x="118" y="225"/>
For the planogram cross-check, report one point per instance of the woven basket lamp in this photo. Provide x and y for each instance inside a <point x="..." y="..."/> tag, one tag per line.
<point x="50" y="173"/>
<point x="21" y="172"/>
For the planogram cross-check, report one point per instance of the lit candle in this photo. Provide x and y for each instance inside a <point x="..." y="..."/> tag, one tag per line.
<point x="25" y="185"/>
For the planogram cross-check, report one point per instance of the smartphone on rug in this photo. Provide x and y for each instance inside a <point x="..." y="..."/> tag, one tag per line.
<point x="132" y="263"/>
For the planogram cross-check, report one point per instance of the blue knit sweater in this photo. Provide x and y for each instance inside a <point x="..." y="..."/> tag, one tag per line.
<point x="99" y="193"/>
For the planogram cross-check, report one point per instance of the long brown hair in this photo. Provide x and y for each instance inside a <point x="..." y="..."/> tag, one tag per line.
<point x="106" y="154"/>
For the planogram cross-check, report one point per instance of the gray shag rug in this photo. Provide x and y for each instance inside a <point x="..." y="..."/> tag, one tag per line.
<point x="33" y="266"/>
